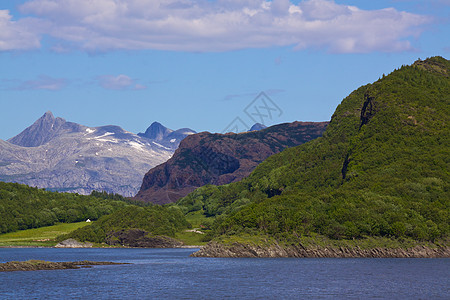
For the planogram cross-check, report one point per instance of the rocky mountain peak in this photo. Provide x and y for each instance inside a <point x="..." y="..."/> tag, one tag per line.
<point x="164" y="136"/>
<point x="156" y="132"/>
<point x="48" y="116"/>
<point x="40" y="132"/>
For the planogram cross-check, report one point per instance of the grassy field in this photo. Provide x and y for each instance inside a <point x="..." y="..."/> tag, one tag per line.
<point x="43" y="236"/>
<point x="192" y="238"/>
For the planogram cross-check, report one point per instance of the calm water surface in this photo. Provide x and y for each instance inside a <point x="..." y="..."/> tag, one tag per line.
<point x="172" y="274"/>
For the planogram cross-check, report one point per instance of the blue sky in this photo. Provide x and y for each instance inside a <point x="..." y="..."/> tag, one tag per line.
<point x="200" y="64"/>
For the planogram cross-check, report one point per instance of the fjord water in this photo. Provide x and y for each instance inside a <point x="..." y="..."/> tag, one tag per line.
<point x="172" y="274"/>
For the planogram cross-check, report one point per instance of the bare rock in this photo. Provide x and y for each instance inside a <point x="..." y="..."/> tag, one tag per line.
<point x="71" y="243"/>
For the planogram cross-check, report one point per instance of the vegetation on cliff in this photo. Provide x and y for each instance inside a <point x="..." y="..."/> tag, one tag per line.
<point x="381" y="169"/>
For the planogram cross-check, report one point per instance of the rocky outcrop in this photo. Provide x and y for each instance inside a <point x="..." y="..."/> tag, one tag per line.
<point x="141" y="239"/>
<point x="71" y="243"/>
<point x="36" y="265"/>
<point x="218" y="159"/>
<point x="214" y="249"/>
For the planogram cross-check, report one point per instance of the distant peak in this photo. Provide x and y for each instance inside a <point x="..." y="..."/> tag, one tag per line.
<point x="156" y="131"/>
<point x="156" y="125"/>
<point x="40" y="132"/>
<point x="48" y="115"/>
<point x="257" y="126"/>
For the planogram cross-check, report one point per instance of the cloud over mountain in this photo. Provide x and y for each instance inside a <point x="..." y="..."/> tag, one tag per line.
<point x="203" y="26"/>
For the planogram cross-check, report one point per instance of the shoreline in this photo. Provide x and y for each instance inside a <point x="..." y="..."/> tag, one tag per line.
<point x="93" y="247"/>
<point x="239" y="250"/>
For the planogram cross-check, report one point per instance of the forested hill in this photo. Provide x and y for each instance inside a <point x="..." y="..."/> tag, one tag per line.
<point x="381" y="169"/>
<point x="24" y="207"/>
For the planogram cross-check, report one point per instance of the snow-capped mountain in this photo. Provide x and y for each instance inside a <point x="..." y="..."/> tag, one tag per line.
<point x="64" y="156"/>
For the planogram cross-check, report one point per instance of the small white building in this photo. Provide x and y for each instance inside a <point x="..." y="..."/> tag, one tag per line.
<point x="88" y="221"/>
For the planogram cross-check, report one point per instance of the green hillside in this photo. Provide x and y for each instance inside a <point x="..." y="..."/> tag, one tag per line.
<point x="23" y="207"/>
<point x="381" y="169"/>
<point x="39" y="237"/>
<point x="155" y="219"/>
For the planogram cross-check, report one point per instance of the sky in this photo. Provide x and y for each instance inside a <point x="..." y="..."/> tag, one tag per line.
<point x="212" y="66"/>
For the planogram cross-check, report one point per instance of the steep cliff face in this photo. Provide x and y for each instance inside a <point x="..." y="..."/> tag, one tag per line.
<point x="219" y="159"/>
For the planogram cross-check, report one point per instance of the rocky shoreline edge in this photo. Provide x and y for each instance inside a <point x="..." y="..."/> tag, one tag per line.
<point x="235" y="250"/>
<point x="36" y="265"/>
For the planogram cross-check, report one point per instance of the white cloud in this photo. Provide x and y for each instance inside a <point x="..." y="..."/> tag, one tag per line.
<point x="222" y="25"/>
<point x="119" y="82"/>
<point x="18" y="35"/>
<point x="42" y="82"/>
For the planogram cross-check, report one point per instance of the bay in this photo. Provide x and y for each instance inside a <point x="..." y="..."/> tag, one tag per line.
<point x="172" y="274"/>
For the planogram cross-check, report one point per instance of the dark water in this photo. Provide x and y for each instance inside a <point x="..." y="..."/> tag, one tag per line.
<point x="172" y="274"/>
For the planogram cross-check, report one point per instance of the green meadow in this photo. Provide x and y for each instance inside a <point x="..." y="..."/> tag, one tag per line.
<point x="43" y="236"/>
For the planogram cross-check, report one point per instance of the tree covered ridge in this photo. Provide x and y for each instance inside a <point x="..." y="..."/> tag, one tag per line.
<point x="155" y="219"/>
<point x="24" y="207"/>
<point x="380" y="169"/>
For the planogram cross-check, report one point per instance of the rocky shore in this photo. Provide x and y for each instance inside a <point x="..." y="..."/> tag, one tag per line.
<point x="214" y="249"/>
<point x="71" y="243"/>
<point x="35" y="265"/>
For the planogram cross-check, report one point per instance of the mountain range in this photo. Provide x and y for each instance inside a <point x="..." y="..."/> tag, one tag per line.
<point x="218" y="159"/>
<point x="63" y="156"/>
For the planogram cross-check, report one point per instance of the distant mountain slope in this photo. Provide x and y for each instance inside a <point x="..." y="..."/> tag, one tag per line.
<point x="380" y="170"/>
<point x="64" y="156"/>
<point x="206" y="158"/>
